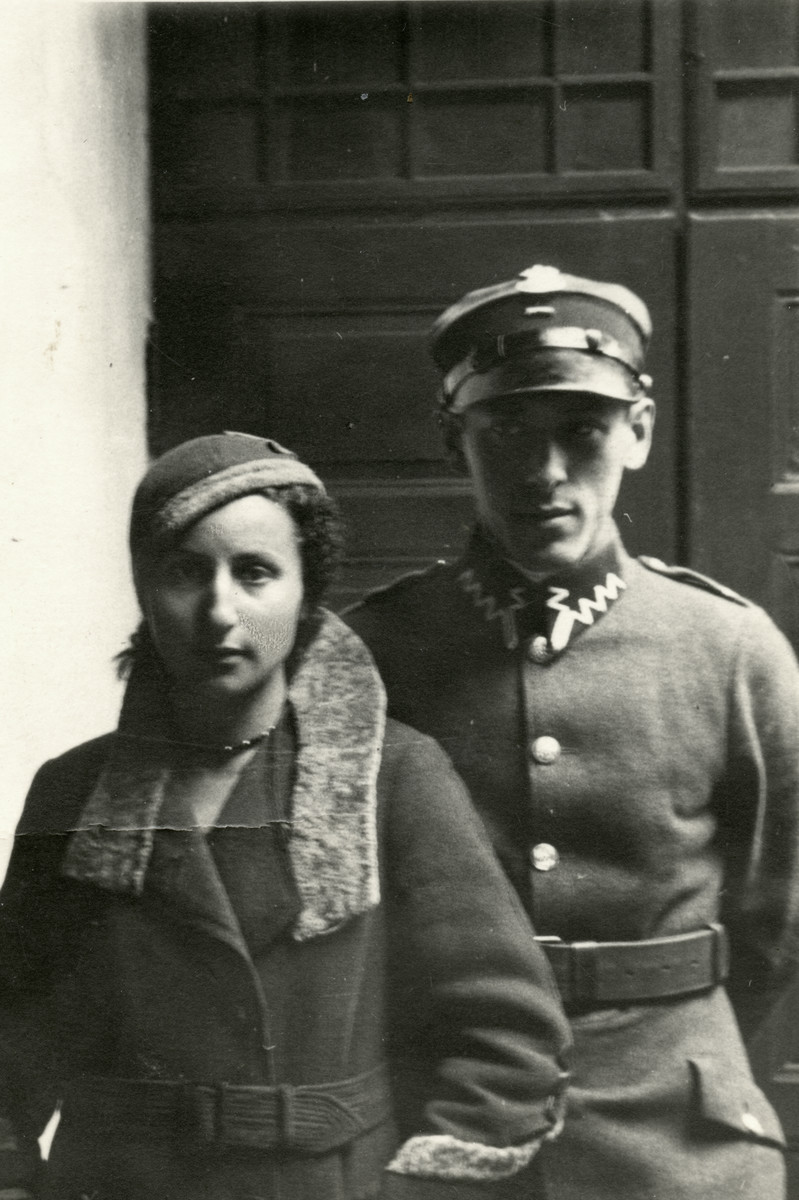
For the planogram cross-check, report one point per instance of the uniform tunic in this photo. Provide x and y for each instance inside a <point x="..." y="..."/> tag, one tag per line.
<point x="630" y="736"/>
<point x="363" y="918"/>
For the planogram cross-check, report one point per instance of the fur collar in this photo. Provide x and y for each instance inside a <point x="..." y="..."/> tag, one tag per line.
<point x="339" y="705"/>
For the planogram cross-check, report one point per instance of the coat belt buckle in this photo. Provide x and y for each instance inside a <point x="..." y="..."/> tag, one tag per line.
<point x="220" y="1131"/>
<point x="257" y="1119"/>
<point x="214" y="1115"/>
<point x="205" y="1115"/>
<point x="198" y="1108"/>
<point x="285" y="1130"/>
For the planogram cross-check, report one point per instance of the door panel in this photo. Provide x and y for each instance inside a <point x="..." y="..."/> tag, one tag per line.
<point x="743" y="372"/>
<point x="744" y="82"/>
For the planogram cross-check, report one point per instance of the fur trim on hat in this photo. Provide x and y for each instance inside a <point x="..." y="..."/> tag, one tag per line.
<point x="187" y="506"/>
<point x="339" y="704"/>
<point x="442" y="1156"/>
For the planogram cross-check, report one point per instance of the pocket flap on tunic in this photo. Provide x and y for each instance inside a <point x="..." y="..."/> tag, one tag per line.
<point x="735" y="1101"/>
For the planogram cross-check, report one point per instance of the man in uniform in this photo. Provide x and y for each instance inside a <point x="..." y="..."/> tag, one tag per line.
<point x="629" y="733"/>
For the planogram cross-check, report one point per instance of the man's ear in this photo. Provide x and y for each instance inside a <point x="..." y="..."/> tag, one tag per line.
<point x="641" y="418"/>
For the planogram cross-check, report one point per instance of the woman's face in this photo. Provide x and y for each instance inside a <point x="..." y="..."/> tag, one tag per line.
<point x="222" y="607"/>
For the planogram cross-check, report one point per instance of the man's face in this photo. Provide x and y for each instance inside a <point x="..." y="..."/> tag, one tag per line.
<point x="546" y="469"/>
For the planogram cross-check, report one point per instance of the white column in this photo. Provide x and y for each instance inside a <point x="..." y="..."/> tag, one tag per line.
<point x="74" y="308"/>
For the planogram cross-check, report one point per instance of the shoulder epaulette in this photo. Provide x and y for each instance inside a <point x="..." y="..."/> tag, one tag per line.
<point x="693" y="578"/>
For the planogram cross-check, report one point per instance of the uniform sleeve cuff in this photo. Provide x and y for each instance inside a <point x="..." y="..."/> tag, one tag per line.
<point x="443" y="1157"/>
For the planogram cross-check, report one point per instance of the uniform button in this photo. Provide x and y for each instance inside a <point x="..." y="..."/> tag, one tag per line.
<point x="750" y="1122"/>
<point x="545" y="750"/>
<point x="544" y="857"/>
<point x="539" y="650"/>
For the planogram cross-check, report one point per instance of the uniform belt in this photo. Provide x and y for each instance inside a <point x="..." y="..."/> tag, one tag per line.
<point x="307" y="1118"/>
<point x="619" y="972"/>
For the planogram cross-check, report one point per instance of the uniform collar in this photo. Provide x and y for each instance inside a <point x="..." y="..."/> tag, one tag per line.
<point x="553" y="611"/>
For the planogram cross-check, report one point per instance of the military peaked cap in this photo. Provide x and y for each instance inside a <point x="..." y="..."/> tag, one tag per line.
<point x="543" y="331"/>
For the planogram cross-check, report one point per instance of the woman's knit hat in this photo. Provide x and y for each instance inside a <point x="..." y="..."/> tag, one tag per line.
<point x="197" y="476"/>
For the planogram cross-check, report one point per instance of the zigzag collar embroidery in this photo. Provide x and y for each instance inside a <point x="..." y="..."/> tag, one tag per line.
<point x="491" y="607"/>
<point x="604" y="595"/>
<point x="557" y="609"/>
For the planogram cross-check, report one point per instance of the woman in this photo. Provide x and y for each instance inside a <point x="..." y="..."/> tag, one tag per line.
<point x="254" y="939"/>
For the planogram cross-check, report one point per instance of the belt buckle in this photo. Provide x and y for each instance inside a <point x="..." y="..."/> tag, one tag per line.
<point x="284" y="1116"/>
<point x="720" y="951"/>
<point x="204" y="1114"/>
<point x="584" y="972"/>
<point x="210" y="1114"/>
<point x="198" y="1113"/>
<point x="240" y="1120"/>
<point x="580" y="979"/>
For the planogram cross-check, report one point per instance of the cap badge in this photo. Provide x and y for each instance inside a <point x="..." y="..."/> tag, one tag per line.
<point x="539" y="279"/>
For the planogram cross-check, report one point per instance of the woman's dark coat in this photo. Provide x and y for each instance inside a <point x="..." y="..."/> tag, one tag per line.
<point x="383" y="928"/>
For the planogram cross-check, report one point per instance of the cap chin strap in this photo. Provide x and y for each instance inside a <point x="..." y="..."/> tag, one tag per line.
<point x="526" y="378"/>
<point x="518" y="350"/>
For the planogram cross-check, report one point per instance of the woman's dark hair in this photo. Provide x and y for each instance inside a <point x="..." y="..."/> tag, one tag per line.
<point x="321" y="534"/>
<point x="320" y="531"/>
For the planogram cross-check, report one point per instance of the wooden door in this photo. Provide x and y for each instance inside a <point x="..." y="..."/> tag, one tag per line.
<point x="744" y="493"/>
<point x="742" y="355"/>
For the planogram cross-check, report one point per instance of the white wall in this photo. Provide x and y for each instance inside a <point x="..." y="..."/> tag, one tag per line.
<point x="74" y="307"/>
